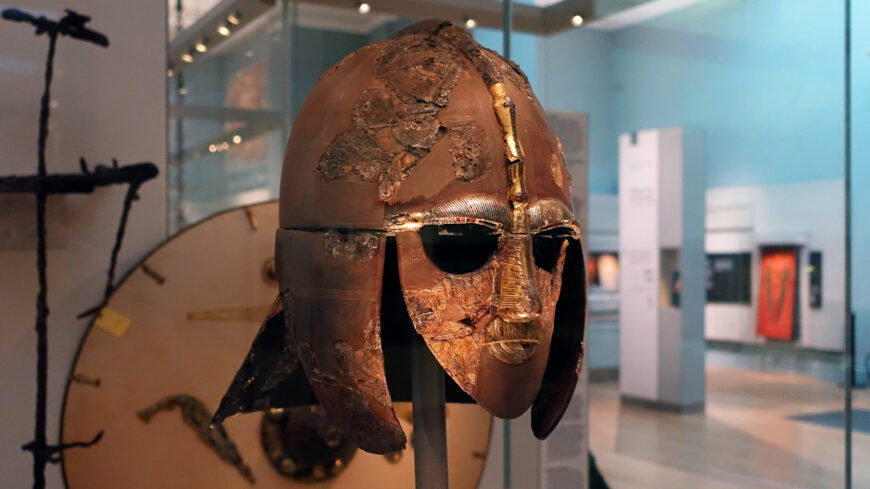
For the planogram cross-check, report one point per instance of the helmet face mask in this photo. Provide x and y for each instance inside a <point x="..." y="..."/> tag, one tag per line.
<point x="482" y="296"/>
<point x="436" y="141"/>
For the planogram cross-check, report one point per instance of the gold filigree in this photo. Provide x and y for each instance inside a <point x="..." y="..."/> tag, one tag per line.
<point x="547" y="214"/>
<point x="482" y="209"/>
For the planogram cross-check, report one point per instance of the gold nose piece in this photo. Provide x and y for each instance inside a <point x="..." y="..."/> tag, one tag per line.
<point x="518" y="297"/>
<point x="512" y="336"/>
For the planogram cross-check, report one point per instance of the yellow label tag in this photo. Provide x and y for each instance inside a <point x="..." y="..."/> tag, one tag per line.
<point x="113" y="322"/>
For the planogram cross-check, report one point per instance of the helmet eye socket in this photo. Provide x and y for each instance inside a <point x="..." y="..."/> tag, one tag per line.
<point x="547" y="246"/>
<point x="458" y="248"/>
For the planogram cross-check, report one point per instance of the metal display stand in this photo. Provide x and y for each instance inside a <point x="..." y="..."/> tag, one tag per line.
<point x="430" y="428"/>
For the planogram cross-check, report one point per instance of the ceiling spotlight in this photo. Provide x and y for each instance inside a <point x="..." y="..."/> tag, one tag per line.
<point x="223" y="30"/>
<point x="237" y="139"/>
<point x="470" y="23"/>
<point x="169" y="73"/>
<point x="201" y="47"/>
<point x="187" y="58"/>
<point x="182" y="91"/>
<point x="364" y="7"/>
<point x="212" y="148"/>
<point x="577" y="20"/>
<point x="234" y="18"/>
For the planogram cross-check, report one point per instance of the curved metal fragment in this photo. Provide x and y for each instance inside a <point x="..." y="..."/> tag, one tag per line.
<point x="197" y="417"/>
<point x="271" y="359"/>
<point x="566" y="351"/>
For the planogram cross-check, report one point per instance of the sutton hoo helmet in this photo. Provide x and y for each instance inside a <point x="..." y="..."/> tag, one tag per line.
<point x="430" y="154"/>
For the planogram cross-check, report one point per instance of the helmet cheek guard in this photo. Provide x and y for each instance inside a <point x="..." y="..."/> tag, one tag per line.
<point x="433" y="141"/>
<point x="330" y="288"/>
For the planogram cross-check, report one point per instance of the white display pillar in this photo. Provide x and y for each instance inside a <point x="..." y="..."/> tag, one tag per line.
<point x="662" y="185"/>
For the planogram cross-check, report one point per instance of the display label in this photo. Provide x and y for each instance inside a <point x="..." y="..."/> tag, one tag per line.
<point x="113" y="322"/>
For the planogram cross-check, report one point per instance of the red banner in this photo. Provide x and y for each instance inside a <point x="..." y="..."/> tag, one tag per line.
<point x="776" y="297"/>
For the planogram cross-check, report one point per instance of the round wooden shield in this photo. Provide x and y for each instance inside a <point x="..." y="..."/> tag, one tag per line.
<point x="155" y="363"/>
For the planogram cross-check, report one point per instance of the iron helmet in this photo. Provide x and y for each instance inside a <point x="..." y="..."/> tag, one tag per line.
<point x="429" y="154"/>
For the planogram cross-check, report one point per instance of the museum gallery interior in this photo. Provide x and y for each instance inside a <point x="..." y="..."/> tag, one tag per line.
<point x="494" y="244"/>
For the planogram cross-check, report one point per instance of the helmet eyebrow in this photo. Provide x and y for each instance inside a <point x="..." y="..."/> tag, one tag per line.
<point x="547" y="214"/>
<point x="480" y="209"/>
<point x="485" y="210"/>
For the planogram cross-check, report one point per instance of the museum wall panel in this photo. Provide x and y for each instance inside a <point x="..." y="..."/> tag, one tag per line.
<point x="806" y="215"/>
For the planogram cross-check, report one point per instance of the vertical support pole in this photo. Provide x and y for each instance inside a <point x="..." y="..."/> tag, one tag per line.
<point x="178" y="216"/>
<point x="430" y="428"/>
<point x="293" y="69"/>
<point x="507" y="26"/>
<point x="285" y="55"/>
<point x="506" y="463"/>
<point x="849" y="316"/>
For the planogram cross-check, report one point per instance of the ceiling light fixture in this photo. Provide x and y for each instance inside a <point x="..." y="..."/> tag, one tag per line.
<point x="237" y="139"/>
<point x="470" y="23"/>
<point x="234" y="18"/>
<point x="187" y="58"/>
<point x="224" y="30"/>
<point x="201" y="47"/>
<point x="364" y="7"/>
<point x="577" y="20"/>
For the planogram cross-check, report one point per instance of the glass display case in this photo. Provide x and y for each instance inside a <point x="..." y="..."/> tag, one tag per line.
<point x="758" y="89"/>
<point x="529" y="244"/>
<point x="761" y="87"/>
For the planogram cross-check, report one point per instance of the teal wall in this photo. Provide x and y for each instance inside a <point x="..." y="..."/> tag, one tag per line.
<point x="763" y="79"/>
<point x="860" y="63"/>
<point x="576" y="73"/>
